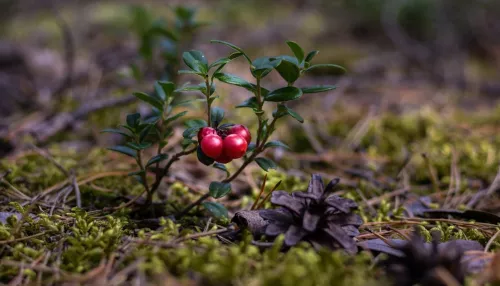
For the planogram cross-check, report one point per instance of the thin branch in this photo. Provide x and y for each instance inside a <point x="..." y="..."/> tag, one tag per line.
<point x="490" y="242"/>
<point x="76" y="188"/>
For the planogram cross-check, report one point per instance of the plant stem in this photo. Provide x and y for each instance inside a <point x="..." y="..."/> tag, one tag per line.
<point x="161" y="174"/>
<point x="209" y="109"/>
<point x="249" y="160"/>
<point x="191" y="206"/>
<point x="258" y="96"/>
<point x="258" y="149"/>
<point x="143" y="174"/>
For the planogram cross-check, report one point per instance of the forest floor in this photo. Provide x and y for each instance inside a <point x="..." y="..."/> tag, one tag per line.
<point x="412" y="153"/>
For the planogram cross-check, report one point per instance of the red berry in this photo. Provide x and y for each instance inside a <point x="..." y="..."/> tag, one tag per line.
<point x="223" y="159"/>
<point x="204" y="132"/>
<point x="212" y="145"/>
<point x="242" y="131"/>
<point x="235" y="146"/>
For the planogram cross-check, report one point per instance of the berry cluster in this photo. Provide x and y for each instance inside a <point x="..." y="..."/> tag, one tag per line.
<point x="224" y="144"/>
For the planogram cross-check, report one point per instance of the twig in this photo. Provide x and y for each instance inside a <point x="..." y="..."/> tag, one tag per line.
<point x="445" y="276"/>
<point x="432" y="172"/>
<point x="261" y="204"/>
<point x="490" y="242"/>
<point x="454" y="185"/>
<point x="404" y="236"/>
<point x="260" y="193"/>
<point x="18" y="193"/>
<point x="385" y="196"/>
<point x="69" y="56"/>
<point x="382" y="238"/>
<point x="77" y="189"/>
<point x="48" y="156"/>
<point x="23" y="238"/>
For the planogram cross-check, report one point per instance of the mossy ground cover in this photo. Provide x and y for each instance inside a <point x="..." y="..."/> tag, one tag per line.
<point x="51" y="241"/>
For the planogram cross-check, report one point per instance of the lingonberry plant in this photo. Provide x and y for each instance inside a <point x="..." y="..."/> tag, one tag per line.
<point x="218" y="143"/>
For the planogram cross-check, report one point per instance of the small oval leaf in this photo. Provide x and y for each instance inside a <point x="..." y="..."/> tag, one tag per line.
<point x="276" y="144"/>
<point x="196" y="61"/>
<point x="149" y="100"/>
<point x="288" y="70"/>
<point x="124" y="150"/>
<point x="323" y="66"/>
<point x="317" y="88"/>
<point x="156" y="159"/>
<point x="297" y="50"/>
<point x="284" y="94"/>
<point x="219" y="189"/>
<point x="265" y="163"/>
<point x="216" y="209"/>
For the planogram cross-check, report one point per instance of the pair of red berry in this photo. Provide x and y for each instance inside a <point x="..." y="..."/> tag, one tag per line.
<point x="226" y="144"/>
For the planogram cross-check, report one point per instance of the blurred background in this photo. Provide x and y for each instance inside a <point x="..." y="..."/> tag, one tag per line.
<point x="68" y="68"/>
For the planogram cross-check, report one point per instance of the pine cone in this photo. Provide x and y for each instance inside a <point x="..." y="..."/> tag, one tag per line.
<point x="314" y="216"/>
<point x="421" y="264"/>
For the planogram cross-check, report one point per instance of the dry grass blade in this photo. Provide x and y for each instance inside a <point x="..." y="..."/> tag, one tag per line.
<point x="490" y="242"/>
<point x="261" y="204"/>
<point x="260" y="193"/>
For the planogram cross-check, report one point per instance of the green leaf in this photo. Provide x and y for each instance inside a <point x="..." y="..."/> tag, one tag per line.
<point x="235" y="80"/>
<point x="116" y="131"/>
<point x="159" y="93"/>
<point x="168" y="88"/>
<point x="295" y="115"/>
<point x="263" y="131"/>
<point x="145" y="131"/>
<point x="172" y="35"/>
<point x="190" y="87"/>
<point x="265" y="163"/>
<point x="219" y="189"/>
<point x="156" y="159"/>
<point x="288" y="58"/>
<point x="317" y="88"/>
<point x="153" y="119"/>
<point x="283" y="110"/>
<point x="191" y="132"/>
<point x="184" y="13"/>
<point x="190" y="72"/>
<point x="221" y="61"/>
<point x="288" y="70"/>
<point x="284" y="94"/>
<point x="212" y="98"/>
<point x="196" y="123"/>
<point x="188" y="101"/>
<point x="324" y="66"/>
<point x="138" y="147"/>
<point x="136" y="173"/>
<point x="149" y="100"/>
<point x="199" y="87"/>
<point x="133" y="119"/>
<point x="310" y="56"/>
<point x="175" y="117"/>
<point x="249" y="103"/>
<point x="217" y="116"/>
<point x="264" y="65"/>
<point x="251" y="147"/>
<point x="221" y="167"/>
<point x="124" y="150"/>
<point x="274" y="144"/>
<point x="233" y="47"/>
<point x="204" y="159"/>
<point x="216" y="209"/>
<point x="297" y="50"/>
<point x="187" y="142"/>
<point x="196" y="61"/>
